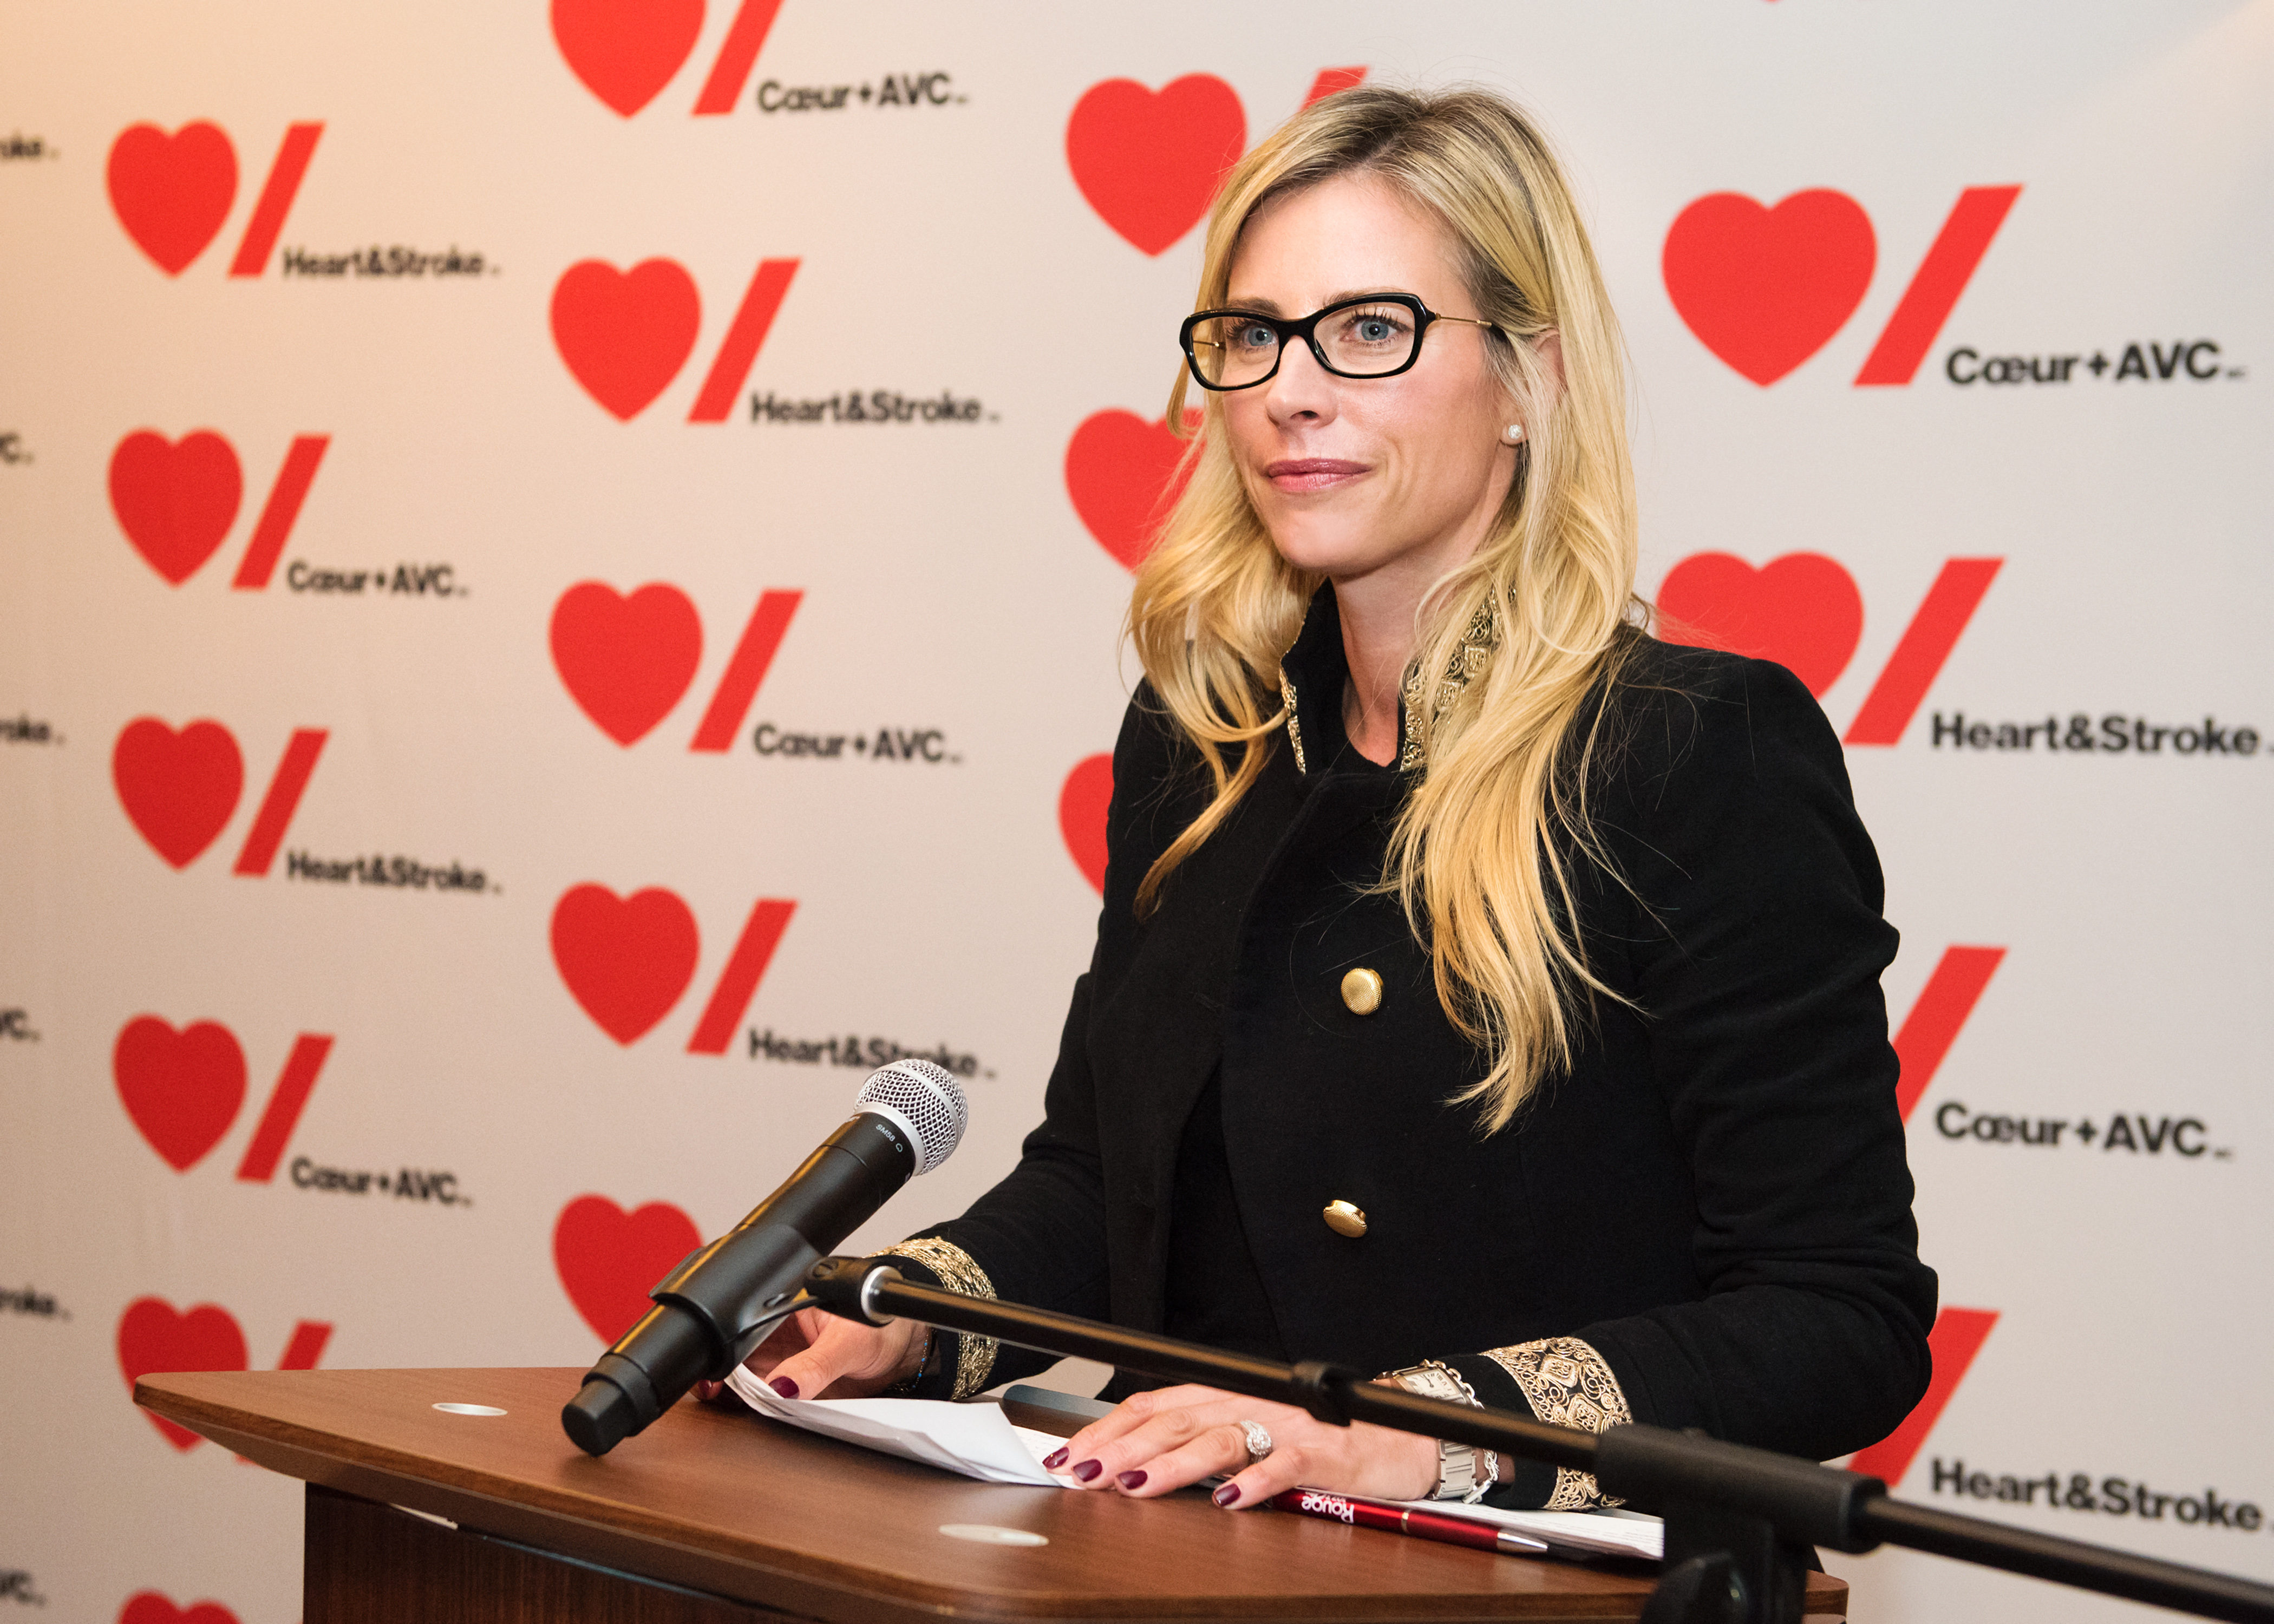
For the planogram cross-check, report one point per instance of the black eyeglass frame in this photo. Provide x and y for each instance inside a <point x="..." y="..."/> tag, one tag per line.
<point x="1306" y="330"/>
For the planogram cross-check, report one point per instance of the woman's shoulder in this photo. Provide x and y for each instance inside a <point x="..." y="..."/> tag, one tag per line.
<point x="1673" y="716"/>
<point x="1713" y="775"/>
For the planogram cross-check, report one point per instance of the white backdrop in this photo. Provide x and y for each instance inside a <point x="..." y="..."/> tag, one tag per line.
<point x="360" y="283"/>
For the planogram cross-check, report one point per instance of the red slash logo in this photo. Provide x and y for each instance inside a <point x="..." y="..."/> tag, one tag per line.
<point x="177" y="499"/>
<point x="626" y="660"/>
<point x="1941" y="1009"/>
<point x="1926" y="643"/>
<point x="1803" y="611"/>
<point x="1764" y="289"/>
<point x="627" y="961"/>
<point x="179" y="789"/>
<point x="625" y="334"/>
<point x="182" y="1090"/>
<point x="626" y="52"/>
<point x="173" y="193"/>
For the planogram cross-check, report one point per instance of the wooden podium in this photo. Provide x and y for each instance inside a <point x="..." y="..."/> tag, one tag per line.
<point x="712" y="1516"/>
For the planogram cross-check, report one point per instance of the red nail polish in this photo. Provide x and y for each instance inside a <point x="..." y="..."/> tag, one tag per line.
<point x="1053" y="1461"/>
<point x="1089" y="1470"/>
<point x="784" y="1386"/>
<point x="1226" y="1495"/>
<point x="1131" y="1480"/>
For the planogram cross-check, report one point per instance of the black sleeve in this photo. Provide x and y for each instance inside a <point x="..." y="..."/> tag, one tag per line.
<point x="1040" y="1233"/>
<point x="1754" y="949"/>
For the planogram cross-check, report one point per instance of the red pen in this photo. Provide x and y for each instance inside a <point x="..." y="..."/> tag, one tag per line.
<point x="1408" y="1519"/>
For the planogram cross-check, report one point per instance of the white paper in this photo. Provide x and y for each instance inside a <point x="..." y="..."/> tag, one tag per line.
<point x="977" y="1441"/>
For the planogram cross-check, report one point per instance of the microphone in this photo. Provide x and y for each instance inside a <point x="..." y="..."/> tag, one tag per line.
<point x="724" y="1299"/>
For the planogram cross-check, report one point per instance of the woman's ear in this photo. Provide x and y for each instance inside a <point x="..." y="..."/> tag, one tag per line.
<point x="1547" y="366"/>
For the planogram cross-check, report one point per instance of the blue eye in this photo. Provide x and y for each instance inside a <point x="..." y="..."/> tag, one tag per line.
<point x="1373" y="327"/>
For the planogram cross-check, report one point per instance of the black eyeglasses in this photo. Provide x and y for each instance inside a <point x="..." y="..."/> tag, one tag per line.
<point x="1378" y="336"/>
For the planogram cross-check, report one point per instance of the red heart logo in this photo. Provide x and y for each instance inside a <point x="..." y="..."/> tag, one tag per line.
<point x="609" y="1259"/>
<point x="1149" y="162"/>
<point x="181" y="1088"/>
<point x="153" y="1337"/>
<point x="1803" y="611"/>
<point x="172" y="191"/>
<point x="625" y="660"/>
<point x="626" y="50"/>
<point x="1083" y="801"/>
<point x="178" y="788"/>
<point x="176" y="501"/>
<point x="625" y="959"/>
<point x="625" y="334"/>
<point x="150" y="1607"/>
<point x="1764" y="289"/>
<point x="1123" y="475"/>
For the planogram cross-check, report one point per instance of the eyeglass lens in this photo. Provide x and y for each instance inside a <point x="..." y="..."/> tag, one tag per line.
<point x="1361" y="341"/>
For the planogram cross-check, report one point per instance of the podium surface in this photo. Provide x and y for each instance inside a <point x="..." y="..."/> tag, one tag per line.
<point x="714" y="1515"/>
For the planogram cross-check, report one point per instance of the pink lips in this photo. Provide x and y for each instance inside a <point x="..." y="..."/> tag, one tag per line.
<point x="1311" y="473"/>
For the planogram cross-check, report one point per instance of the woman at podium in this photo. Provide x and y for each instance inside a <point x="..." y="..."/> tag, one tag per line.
<point x="1487" y="993"/>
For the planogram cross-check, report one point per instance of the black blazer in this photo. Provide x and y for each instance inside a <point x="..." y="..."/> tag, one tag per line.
<point x="1715" y="1197"/>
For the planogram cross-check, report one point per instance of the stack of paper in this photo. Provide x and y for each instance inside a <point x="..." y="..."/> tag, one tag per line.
<point x="977" y="1441"/>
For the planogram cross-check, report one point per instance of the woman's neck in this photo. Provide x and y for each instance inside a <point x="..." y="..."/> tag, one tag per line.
<point x="1378" y="644"/>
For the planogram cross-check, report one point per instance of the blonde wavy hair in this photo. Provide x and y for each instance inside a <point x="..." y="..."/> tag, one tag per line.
<point x="1482" y="854"/>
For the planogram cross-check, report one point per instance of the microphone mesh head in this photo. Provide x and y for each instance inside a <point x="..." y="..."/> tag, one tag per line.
<point x="928" y="1100"/>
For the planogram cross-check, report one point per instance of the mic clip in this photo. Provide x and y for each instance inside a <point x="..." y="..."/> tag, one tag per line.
<point x="735" y="1288"/>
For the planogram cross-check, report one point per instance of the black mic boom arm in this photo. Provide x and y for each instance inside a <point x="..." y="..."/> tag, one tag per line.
<point x="1739" y="1519"/>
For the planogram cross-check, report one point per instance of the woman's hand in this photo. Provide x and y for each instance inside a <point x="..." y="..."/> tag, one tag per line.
<point x="816" y="1354"/>
<point x="1156" y="1441"/>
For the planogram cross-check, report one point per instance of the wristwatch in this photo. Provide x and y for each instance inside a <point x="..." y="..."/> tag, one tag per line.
<point x="1464" y="1471"/>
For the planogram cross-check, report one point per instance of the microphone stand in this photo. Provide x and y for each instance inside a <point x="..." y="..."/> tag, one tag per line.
<point x="1739" y="1521"/>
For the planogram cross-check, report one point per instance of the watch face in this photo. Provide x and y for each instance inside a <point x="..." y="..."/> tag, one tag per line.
<point x="1431" y="1381"/>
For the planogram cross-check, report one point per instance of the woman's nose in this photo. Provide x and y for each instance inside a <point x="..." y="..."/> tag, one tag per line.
<point x="1301" y="387"/>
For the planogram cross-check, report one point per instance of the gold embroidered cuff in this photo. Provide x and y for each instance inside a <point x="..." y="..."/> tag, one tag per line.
<point x="958" y="1272"/>
<point x="1567" y="1384"/>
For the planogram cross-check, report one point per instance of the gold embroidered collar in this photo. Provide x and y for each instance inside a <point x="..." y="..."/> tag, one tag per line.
<point x="1477" y="645"/>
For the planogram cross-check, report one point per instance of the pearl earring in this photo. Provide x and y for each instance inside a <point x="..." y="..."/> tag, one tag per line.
<point x="1515" y="434"/>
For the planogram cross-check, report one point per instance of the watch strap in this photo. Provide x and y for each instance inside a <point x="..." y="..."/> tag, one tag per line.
<point x="1464" y="1471"/>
